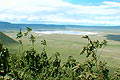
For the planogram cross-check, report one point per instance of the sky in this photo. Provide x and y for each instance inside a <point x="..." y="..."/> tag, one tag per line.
<point x="68" y="12"/>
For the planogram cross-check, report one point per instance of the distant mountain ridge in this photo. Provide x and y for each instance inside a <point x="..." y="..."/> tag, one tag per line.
<point x="7" y="25"/>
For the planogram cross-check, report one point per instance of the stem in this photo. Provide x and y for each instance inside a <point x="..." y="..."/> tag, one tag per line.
<point x="19" y="50"/>
<point x="96" y="65"/>
<point x="33" y="45"/>
<point x="3" y="78"/>
<point x="100" y="53"/>
<point x="22" y="46"/>
<point x="96" y="61"/>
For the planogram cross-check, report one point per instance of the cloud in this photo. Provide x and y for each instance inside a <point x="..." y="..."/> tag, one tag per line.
<point x="113" y="4"/>
<point x="59" y="11"/>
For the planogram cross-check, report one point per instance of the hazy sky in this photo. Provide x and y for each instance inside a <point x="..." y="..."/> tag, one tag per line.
<point x="80" y="12"/>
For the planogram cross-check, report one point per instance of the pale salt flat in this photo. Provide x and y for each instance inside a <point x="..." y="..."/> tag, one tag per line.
<point x="67" y="32"/>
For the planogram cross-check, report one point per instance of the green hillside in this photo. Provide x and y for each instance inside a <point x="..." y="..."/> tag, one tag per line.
<point x="6" y="40"/>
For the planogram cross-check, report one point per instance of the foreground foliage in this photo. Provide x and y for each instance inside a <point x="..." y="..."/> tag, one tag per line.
<point x="32" y="65"/>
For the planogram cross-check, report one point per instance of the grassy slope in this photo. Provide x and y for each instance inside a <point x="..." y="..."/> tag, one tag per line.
<point x="9" y="42"/>
<point x="6" y="40"/>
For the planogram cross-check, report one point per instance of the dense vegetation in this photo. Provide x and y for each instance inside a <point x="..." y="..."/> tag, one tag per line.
<point x="32" y="65"/>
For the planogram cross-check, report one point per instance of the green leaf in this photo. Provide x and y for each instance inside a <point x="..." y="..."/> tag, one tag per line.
<point x="86" y="37"/>
<point x="88" y="54"/>
<point x="83" y="50"/>
<point x="43" y="42"/>
<point x="19" y="34"/>
<point x="29" y="29"/>
<point x="20" y="41"/>
<point x="26" y="33"/>
<point x="32" y="38"/>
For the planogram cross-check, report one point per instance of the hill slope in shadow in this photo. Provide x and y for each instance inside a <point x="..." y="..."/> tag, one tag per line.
<point x="6" y="40"/>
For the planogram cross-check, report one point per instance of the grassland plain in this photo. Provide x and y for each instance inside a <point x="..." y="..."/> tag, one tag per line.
<point x="71" y="45"/>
